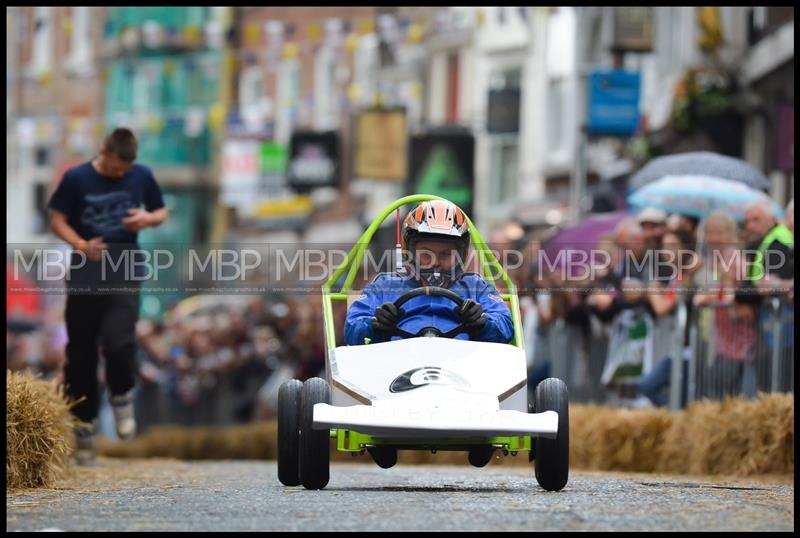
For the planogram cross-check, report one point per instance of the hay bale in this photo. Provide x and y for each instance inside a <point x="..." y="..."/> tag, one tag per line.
<point x="39" y="429"/>
<point x="605" y="438"/>
<point x="246" y="441"/>
<point x="740" y="437"/>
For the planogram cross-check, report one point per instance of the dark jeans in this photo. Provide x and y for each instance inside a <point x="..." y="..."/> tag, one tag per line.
<point x="653" y="384"/>
<point x="537" y="375"/>
<point x="107" y="320"/>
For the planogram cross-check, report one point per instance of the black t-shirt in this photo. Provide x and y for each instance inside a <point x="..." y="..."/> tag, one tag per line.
<point x="95" y="206"/>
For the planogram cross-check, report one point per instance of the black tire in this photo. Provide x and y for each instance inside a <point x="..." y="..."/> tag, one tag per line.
<point x="289" y="432"/>
<point x="551" y="462"/>
<point x="315" y="456"/>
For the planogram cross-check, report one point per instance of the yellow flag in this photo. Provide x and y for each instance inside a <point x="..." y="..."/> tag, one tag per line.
<point x="480" y="17"/>
<point x="367" y="26"/>
<point x="710" y="21"/>
<point x="354" y="92"/>
<point x="313" y="31"/>
<point x="46" y="77"/>
<point x="415" y="33"/>
<point x="290" y="51"/>
<point x="216" y="116"/>
<point x="351" y="43"/>
<point x="192" y="34"/>
<point x="252" y="34"/>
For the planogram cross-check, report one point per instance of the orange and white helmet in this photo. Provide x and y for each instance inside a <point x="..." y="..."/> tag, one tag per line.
<point x="436" y="218"/>
<point x="440" y="220"/>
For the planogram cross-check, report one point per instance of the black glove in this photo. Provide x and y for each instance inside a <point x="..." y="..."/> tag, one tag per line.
<point x="472" y="316"/>
<point x="386" y="317"/>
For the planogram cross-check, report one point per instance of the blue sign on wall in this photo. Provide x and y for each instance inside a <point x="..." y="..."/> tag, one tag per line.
<point x="613" y="102"/>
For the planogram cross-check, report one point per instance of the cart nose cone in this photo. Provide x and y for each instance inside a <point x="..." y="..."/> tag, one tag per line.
<point x="431" y="422"/>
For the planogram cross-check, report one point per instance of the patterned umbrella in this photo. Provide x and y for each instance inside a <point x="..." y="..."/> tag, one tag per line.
<point x="697" y="196"/>
<point x="703" y="163"/>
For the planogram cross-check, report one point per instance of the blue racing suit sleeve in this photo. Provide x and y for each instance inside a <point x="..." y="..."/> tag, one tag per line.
<point x="358" y="324"/>
<point x="499" y="325"/>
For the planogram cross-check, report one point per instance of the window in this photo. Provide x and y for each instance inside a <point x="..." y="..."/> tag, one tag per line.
<point x="453" y="81"/>
<point x="366" y="66"/>
<point x="556" y="114"/>
<point x="326" y="90"/>
<point x="503" y="168"/>
<point x="503" y="128"/>
<point x="80" y="59"/>
<point x="254" y="106"/>
<point x="42" y="56"/>
<point x="504" y="101"/>
<point x="668" y="31"/>
<point x="288" y="99"/>
<point x="41" y="216"/>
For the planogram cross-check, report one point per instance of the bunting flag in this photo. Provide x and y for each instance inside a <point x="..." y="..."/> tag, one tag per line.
<point x="354" y="92"/>
<point x="192" y="34"/>
<point x="415" y="33"/>
<point x="216" y="116"/>
<point x="351" y="43"/>
<point x="43" y="131"/>
<point x="45" y="77"/>
<point x="480" y="17"/>
<point x="99" y="129"/>
<point x="154" y="123"/>
<point x="252" y="34"/>
<point x="367" y="26"/>
<point x="290" y="51"/>
<point x="313" y="31"/>
<point x="169" y="67"/>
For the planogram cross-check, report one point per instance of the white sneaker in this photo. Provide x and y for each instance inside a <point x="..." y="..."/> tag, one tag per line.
<point x="122" y="406"/>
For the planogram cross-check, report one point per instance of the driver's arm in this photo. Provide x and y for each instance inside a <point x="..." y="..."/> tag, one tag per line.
<point x="499" y="326"/>
<point x="358" y="324"/>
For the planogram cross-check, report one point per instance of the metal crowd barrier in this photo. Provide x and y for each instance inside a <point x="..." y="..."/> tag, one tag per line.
<point x="731" y="351"/>
<point x="738" y="351"/>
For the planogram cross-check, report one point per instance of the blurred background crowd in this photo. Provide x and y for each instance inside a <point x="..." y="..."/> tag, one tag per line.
<point x="289" y="126"/>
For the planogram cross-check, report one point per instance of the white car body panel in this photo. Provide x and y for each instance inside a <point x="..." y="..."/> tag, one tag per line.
<point x="433" y="388"/>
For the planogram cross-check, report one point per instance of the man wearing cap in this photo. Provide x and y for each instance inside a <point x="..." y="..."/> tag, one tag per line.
<point x="654" y="223"/>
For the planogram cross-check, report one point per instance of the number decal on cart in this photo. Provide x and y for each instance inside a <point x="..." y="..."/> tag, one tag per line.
<point x="427" y="375"/>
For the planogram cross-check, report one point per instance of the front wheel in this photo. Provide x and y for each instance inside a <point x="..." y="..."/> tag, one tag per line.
<point x="315" y="456"/>
<point x="551" y="462"/>
<point x="289" y="432"/>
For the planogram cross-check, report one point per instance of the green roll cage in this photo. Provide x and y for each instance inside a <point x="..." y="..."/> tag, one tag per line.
<point x="350" y="441"/>
<point x="488" y="262"/>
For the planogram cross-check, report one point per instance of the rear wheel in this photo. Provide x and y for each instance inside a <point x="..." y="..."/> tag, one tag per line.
<point x="551" y="462"/>
<point x="289" y="432"/>
<point x="315" y="456"/>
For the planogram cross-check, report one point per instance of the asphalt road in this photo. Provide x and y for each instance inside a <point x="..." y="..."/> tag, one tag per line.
<point x="164" y="495"/>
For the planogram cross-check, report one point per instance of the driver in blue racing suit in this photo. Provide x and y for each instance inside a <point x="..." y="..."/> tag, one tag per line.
<point x="437" y="236"/>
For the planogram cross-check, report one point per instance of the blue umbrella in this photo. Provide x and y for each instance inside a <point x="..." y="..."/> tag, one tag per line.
<point x="704" y="163"/>
<point x="697" y="196"/>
